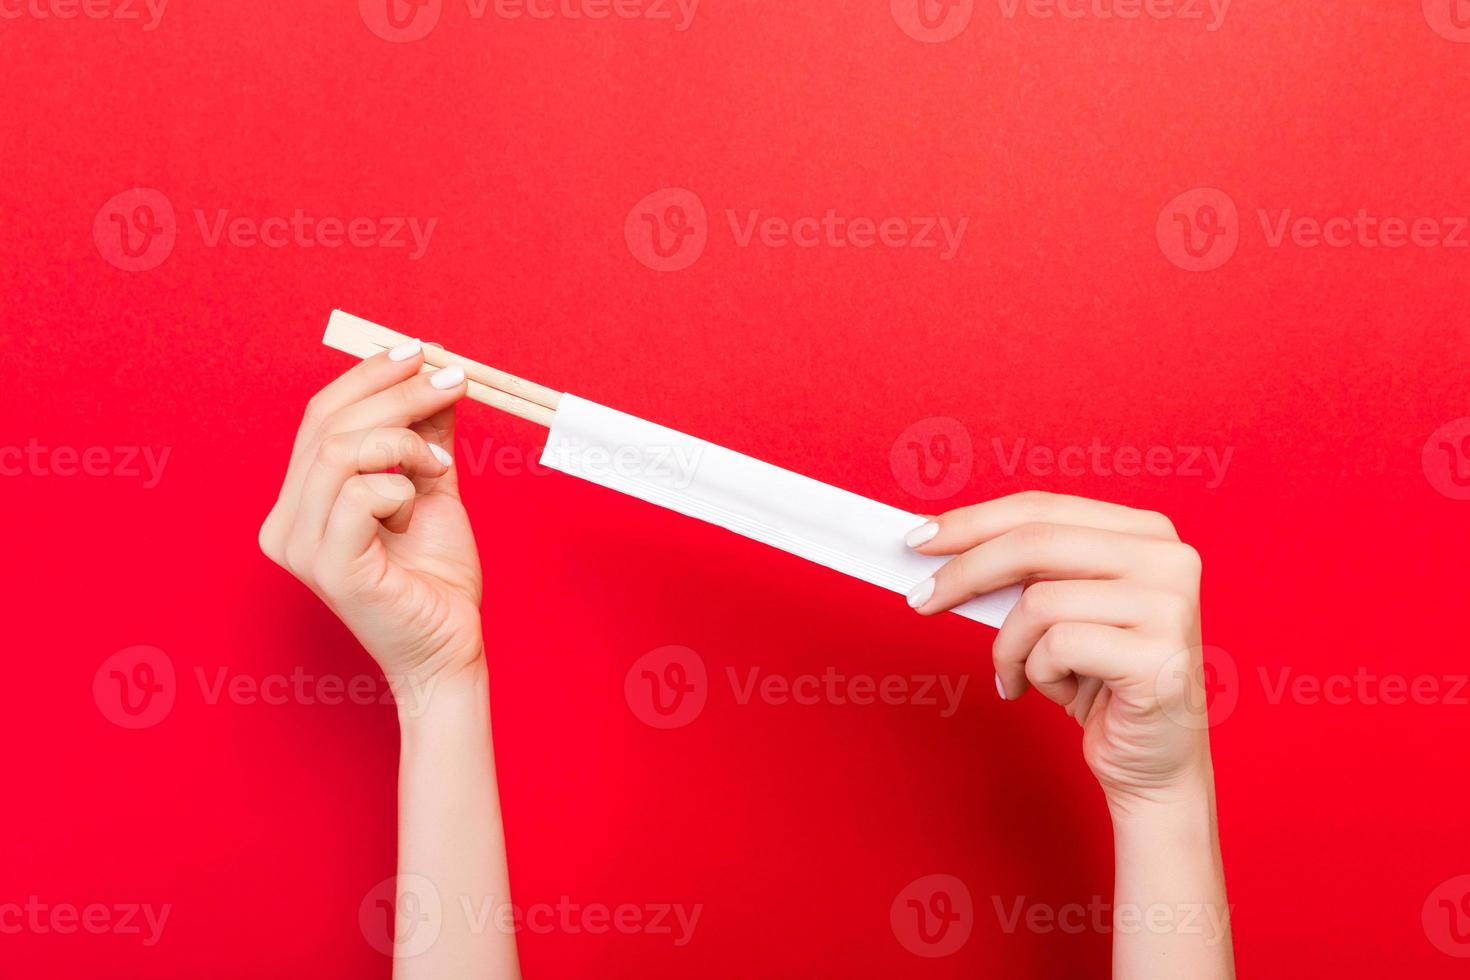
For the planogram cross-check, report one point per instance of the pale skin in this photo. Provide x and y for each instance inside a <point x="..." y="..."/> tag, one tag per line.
<point x="1108" y="628"/>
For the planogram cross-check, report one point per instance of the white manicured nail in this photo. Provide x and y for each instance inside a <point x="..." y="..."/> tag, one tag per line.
<point x="920" y="534"/>
<point x="447" y="377"/>
<point x="1000" y="688"/>
<point x="920" y="593"/>
<point x="441" y="455"/>
<point x="405" y="350"/>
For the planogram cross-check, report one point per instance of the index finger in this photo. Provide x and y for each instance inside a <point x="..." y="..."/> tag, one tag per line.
<point x="368" y="377"/>
<point x="362" y="380"/>
<point x="965" y="527"/>
<point x="1052" y="551"/>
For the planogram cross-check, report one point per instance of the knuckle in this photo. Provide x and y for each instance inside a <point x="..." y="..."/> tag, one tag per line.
<point x="369" y="489"/>
<point x="387" y="447"/>
<point x="398" y="486"/>
<point x="955" y="574"/>
<point x="338" y="450"/>
<point x="1188" y="559"/>
<point x="269" y="540"/>
<point x="1063" y="638"/>
<point x="1158" y="524"/>
<point x="404" y="442"/>
<point x="357" y="491"/>
<point x="1034" y="503"/>
<point x="316" y="411"/>
<point x="405" y="401"/>
<point x="1060" y="637"/>
<point x="1037" y="602"/>
<point x="334" y="421"/>
<point x="1045" y="646"/>
<point x="1008" y="647"/>
<point x="298" y="560"/>
<point x="1036" y="670"/>
<point x="1178" y="609"/>
<point x="1035" y="535"/>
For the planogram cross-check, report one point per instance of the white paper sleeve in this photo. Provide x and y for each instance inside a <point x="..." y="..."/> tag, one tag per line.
<point x="821" y="523"/>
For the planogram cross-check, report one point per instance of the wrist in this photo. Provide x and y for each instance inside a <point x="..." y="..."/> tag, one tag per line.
<point x="1170" y="905"/>
<point x="453" y="694"/>
<point x="1180" y="818"/>
<point x="1186" y="818"/>
<point x="1179" y="775"/>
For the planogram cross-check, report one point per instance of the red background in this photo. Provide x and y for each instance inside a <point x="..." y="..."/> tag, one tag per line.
<point x="1059" y="321"/>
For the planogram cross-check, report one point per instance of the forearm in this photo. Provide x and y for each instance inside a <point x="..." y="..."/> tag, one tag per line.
<point x="1170" y="915"/>
<point x="450" y="832"/>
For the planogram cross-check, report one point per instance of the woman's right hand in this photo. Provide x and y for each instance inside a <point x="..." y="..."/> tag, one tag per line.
<point x="391" y="553"/>
<point x="1108" y="627"/>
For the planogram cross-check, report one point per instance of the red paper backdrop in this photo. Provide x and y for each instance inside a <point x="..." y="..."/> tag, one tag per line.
<point x="1069" y="314"/>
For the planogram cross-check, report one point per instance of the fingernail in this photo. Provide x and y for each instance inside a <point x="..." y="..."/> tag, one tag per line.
<point x="405" y="350"/>
<point x="1000" y="688"/>
<point x="920" y="534"/>
<point x="920" y="593"/>
<point x="441" y="455"/>
<point x="447" y="377"/>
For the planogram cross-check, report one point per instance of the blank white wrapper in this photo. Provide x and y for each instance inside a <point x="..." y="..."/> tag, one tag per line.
<point x="821" y="523"/>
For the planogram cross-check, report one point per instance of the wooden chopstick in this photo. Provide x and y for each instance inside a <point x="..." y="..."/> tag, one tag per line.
<point x="487" y="385"/>
<point x="493" y="377"/>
